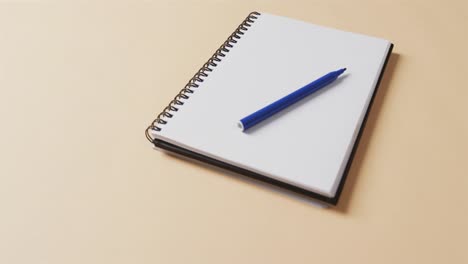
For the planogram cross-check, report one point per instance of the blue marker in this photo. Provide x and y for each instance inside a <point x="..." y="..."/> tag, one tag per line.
<point x="290" y="99"/>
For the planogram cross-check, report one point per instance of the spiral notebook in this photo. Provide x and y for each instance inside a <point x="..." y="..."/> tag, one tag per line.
<point x="308" y="148"/>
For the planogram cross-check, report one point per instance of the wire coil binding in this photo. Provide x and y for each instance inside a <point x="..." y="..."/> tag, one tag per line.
<point x="203" y="72"/>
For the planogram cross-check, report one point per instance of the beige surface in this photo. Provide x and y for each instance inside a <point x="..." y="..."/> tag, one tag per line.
<point x="79" y="183"/>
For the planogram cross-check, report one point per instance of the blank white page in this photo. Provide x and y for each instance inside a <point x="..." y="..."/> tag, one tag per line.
<point x="308" y="144"/>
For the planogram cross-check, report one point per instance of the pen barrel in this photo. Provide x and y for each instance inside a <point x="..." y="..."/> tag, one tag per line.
<point x="279" y="105"/>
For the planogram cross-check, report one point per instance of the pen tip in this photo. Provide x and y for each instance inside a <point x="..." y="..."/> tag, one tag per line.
<point x="340" y="71"/>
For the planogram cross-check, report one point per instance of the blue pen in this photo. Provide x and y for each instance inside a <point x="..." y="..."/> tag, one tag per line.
<point x="275" y="107"/>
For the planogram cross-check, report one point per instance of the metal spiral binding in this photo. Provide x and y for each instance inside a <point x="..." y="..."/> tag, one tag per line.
<point x="194" y="82"/>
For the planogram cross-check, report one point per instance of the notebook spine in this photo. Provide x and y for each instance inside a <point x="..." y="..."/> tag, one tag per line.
<point x="199" y="76"/>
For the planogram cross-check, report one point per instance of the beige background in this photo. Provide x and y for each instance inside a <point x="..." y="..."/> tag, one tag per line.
<point x="79" y="183"/>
